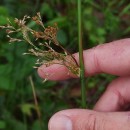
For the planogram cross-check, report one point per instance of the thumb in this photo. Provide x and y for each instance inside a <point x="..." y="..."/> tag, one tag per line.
<point x="80" y="119"/>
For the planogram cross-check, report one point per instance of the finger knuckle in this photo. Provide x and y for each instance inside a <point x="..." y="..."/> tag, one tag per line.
<point x="96" y="61"/>
<point x="93" y="123"/>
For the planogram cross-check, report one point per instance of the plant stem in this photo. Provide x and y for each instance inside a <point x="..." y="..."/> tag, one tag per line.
<point x="82" y="70"/>
<point x="36" y="102"/>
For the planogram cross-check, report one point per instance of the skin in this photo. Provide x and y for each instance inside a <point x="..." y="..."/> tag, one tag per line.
<point x="109" y="112"/>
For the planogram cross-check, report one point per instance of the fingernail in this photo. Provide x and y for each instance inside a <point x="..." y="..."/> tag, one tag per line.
<point x="60" y="122"/>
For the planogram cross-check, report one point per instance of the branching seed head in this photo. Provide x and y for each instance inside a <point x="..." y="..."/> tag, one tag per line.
<point x="48" y="36"/>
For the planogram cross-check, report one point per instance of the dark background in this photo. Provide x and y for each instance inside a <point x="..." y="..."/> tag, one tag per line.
<point x="103" y="21"/>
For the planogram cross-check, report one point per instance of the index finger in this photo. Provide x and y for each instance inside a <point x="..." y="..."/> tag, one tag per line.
<point x="111" y="58"/>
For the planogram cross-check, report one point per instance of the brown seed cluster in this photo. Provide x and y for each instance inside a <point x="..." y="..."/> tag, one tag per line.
<point x="48" y="35"/>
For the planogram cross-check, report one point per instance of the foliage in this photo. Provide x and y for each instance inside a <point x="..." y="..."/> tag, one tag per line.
<point x="103" y="21"/>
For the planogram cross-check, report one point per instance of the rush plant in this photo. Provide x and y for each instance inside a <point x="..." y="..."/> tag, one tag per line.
<point x="41" y="45"/>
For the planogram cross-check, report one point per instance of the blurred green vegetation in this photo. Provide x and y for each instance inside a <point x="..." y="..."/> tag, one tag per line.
<point x="103" y="21"/>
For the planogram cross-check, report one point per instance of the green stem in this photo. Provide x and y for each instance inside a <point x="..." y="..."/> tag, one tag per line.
<point x="82" y="70"/>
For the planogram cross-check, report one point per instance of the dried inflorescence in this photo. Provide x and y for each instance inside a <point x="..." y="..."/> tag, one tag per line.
<point x="48" y="36"/>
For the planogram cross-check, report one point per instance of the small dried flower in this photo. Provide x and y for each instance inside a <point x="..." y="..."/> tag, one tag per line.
<point x="48" y="37"/>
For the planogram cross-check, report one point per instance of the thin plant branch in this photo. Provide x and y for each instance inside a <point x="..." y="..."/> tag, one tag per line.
<point x="82" y="70"/>
<point x="35" y="101"/>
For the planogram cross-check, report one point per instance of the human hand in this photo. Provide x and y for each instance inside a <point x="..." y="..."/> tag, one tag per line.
<point x="112" y="58"/>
